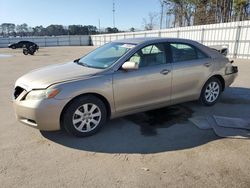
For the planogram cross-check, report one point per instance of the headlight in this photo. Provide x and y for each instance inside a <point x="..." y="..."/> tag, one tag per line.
<point x="42" y="94"/>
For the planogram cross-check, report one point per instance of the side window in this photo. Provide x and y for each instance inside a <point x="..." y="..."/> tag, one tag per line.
<point x="200" y="54"/>
<point x="150" y="55"/>
<point x="185" y="52"/>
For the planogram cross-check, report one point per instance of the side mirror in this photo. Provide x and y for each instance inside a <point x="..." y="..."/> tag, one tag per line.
<point x="129" y="65"/>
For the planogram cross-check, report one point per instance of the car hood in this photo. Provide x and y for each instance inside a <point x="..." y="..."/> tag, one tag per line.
<point x="44" y="77"/>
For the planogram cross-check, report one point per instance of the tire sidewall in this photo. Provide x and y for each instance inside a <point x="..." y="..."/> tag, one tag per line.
<point x="25" y="52"/>
<point x="202" y="96"/>
<point x="73" y="106"/>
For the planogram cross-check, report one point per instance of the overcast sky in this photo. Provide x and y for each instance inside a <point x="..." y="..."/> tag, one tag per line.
<point x="129" y="13"/>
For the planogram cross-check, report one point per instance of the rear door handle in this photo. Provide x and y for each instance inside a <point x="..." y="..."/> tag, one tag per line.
<point x="165" y="71"/>
<point x="207" y="64"/>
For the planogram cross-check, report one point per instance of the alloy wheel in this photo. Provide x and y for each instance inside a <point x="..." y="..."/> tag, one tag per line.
<point x="212" y="92"/>
<point x="86" y="117"/>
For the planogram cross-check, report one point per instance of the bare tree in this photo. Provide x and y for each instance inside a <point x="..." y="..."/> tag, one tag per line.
<point x="150" y="22"/>
<point x="242" y="9"/>
<point x="162" y="3"/>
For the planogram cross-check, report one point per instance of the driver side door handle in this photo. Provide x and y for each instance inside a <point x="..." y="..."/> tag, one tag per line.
<point x="207" y="64"/>
<point x="165" y="71"/>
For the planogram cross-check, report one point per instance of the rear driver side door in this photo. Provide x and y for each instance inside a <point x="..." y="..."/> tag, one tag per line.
<point x="191" y="69"/>
<point x="148" y="86"/>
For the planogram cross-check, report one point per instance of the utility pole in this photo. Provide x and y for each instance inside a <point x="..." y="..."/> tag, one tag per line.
<point x="113" y="13"/>
<point x="162" y="2"/>
<point x="162" y="6"/>
<point x="99" y="24"/>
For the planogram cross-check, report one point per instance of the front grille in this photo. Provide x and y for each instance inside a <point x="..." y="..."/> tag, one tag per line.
<point x="18" y="91"/>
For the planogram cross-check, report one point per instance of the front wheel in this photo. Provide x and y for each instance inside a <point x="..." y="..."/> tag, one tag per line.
<point x="84" y="116"/>
<point x="211" y="92"/>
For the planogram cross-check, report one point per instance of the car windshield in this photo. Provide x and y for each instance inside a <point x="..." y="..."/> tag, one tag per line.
<point x="106" y="55"/>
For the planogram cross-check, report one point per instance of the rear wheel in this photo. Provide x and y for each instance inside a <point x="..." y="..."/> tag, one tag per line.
<point x="211" y="92"/>
<point x="25" y="51"/>
<point x="84" y="116"/>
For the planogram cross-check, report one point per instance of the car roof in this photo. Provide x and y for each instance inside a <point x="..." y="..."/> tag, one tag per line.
<point x="25" y="41"/>
<point x="153" y="40"/>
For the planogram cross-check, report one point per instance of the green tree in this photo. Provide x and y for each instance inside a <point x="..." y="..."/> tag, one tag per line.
<point x="8" y="28"/>
<point x="111" y="30"/>
<point x="22" y="29"/>
<point x="132" y="29"/>
<point x="55" y="30"/>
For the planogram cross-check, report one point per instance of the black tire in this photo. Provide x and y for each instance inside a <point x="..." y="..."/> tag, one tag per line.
<point x="13" y="47"/>
<point x="204" y="97"/>
<point x="69" y="115"/>
<point x="25" y="52"/>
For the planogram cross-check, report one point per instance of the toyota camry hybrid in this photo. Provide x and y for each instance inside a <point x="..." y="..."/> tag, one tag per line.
<point x="120" y="78"/>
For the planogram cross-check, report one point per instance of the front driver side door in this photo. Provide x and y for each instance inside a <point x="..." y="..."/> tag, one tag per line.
<point x="148" y="86"/>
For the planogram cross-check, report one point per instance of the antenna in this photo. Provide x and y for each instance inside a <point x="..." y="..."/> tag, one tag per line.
<point x="113" y="13"/>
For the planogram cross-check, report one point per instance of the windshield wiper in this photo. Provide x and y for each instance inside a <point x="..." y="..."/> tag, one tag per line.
<point x="84" y="64"/>
<point x="77" y="61"/>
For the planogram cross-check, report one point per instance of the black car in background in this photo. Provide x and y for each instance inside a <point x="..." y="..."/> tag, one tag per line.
<point x="23" y="44"/>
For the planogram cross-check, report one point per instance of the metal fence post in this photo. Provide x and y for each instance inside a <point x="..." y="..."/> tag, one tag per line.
<point x="236" y="44"/>
<point x="178" y="33"/>
<point x="159" y="34"/>
<point x="202" y="35"/>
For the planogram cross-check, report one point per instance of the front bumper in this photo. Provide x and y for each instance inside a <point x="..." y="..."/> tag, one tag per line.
<point x="43" y="115"/>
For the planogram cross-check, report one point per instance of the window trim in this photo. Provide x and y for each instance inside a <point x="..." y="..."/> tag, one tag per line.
<point x="193" y="46"/>
<point x="168" y="53"/>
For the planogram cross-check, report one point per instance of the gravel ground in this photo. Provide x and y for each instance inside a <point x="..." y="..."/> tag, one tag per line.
<point x="142" y="150"/>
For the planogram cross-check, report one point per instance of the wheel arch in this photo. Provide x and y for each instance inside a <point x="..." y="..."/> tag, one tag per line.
<point x="221" y="79"/>
<point x="101" y="97"/>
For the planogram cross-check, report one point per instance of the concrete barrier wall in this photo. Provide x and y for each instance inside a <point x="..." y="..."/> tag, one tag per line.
<point x="66" y="40"/>
<point x="236" y="35"/>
